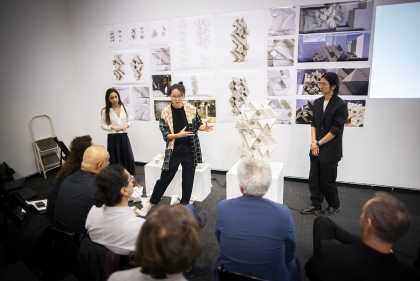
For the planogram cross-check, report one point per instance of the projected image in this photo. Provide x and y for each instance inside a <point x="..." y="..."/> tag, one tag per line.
<point x="283" y="109"/>
<point x="159" y="106"/>
<point x="336" y="17"/>
<point x="356" y="113"/>
<point x="308" y="79"/>
<point x="332" y="47"/>
<point x="354" y="81"/>
<point x="304" y="111"/>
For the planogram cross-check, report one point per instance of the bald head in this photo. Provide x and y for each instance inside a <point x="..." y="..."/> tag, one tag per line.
<point x="95" y="158"/>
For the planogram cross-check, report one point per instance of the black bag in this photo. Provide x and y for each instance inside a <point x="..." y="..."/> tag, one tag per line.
<point x="6" y="173"/>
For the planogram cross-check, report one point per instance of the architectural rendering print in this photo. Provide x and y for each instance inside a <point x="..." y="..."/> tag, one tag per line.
<point x="279" y="82"/>
<point x="282" y="21"/>
<point x="118" y="63"/>
<point x="304" y="111"/>
<point x="336" y="17"/>
<point x="161" y="84"/>
<point x="160" y="59"/>
<point x="357" y="110"/>
<point x="283" y="110"/>
<point x="280" y="52"/>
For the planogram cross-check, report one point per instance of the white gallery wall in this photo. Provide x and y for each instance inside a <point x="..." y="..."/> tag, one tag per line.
<point x="386" y="151"/>
<point x="37" y="77"/>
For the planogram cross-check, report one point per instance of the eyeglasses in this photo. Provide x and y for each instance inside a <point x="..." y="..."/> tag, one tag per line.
<point x="176" y="97"/>
<point x="132" y="178"/>
<point x="322" y="84"/>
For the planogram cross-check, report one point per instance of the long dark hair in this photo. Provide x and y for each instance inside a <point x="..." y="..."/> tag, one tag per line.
<point x="108" y="184"/>
<point x="74" y="161"/>
<point x="108" y="104"/>
<point x="333" y="79"/>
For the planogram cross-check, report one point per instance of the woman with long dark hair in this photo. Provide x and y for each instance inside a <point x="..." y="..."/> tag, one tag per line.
<point x="116" y="120"/>
<point x="73" y="163"/>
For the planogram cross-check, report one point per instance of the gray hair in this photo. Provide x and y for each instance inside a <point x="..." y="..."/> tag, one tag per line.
<point x="254" y="176"/>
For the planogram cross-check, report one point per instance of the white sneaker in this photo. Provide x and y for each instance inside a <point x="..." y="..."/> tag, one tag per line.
<point x="146" y="209"/>
<point x="175" y="199"/>
<point x="192" y="199"/>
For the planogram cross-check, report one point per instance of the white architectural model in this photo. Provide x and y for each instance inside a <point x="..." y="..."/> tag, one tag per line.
<point x="255" y="130"/>
<point x="240" y="93"/>
<point x="136" y="65"/>
<point x="194" y="84"/>
<point x="239" y="38"/>
<point x="280" y="52"/>
<point x="118" y="67"/>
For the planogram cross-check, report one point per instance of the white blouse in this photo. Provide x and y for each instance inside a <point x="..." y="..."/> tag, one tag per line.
<point x="115" y="120"/>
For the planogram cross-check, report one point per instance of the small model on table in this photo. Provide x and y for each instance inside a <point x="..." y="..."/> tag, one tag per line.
<point x="181" y="148"/>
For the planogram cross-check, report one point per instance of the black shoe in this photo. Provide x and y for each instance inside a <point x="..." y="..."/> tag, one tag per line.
<point x="310" y="210"/>
<point x="330" y="211"/>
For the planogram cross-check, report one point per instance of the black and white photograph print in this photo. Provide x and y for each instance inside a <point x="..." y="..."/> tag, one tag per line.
<point x="336" y="17"/>
<point x="357" y="110"/>
<point x="283" y="109"/>
<point x="160" y="85"/>
<point x="160" y="59"/>
<point x="279" y="82"/>
<point x="280" y="52"/>
<point x="354" y="81"/>
<point x="282" y="21"/>
<point x="206" y="109"/>
<point x="159" y="106"/>
<point x="304" y="111"/>
<point x="332" y="47"/>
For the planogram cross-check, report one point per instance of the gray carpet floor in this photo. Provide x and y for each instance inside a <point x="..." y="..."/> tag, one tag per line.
<point x="296" y="196"/>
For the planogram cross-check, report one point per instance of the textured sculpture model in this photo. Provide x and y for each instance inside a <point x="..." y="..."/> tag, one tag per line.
<point x="194" y="84"/>
<point x="136" y="65"/>
<point x="118" y="67"/>
<point x="240" y="93"/>
<point x="255" y="130"/>
<point x="239" y="39"/>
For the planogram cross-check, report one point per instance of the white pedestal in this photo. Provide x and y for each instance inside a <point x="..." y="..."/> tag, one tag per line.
<point x="274" y="193"/>
<point x="201" y="187"/>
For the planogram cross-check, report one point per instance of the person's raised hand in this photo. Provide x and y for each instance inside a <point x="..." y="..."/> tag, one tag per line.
<point x="184" y="134"/>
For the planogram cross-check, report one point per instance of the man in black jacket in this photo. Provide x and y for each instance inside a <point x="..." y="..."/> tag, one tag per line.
<point x="341" y="255"/>
<point x="330" y="113"/>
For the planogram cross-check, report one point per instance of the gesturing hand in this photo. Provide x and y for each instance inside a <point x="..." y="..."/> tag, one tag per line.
<point x="209" y="128"/>
<point x="184" y="134"/>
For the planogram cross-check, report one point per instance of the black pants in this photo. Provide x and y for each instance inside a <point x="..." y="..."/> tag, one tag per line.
<point x="326" y="229"/>
<point x="322" y="183"/>
<point x="188" y="173"/>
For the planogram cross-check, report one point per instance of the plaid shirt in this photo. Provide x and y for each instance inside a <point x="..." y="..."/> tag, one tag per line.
<point x="166" y="127"/>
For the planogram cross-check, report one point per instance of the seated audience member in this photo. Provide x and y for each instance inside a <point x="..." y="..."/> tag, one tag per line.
<point x="75" y="196"/>
<point x="256" y="235"/>
<point x="168" y="245"/>
<point x="340" y="255"/>
<point x="111" y="222"/>
<point x="73" y="163"/>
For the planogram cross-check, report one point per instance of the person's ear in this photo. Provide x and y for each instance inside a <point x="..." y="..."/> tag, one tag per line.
<point x="99" y="166"/>
<point x="123" y="191"/>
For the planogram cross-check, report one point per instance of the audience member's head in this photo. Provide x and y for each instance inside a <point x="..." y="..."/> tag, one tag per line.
<point x="385" y="217"/>
<point x="95" y="158"/>
<point x="74" y="160"/>
<point x="254" y="177"/>
<point x="113" y="184"/>
<point x="169" y="242"/>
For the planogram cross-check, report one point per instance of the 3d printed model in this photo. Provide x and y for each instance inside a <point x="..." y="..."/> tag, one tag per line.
<point x="356" y="113"/>
<point x="283" y="110"/>
<point x="304" y="111"/>
<point x="240" y="93"/>
<point x="255" y="130"/>
<point x="203" y="32"/>
<point x="239" y="39"/>
<point x="279" y="82"/>
<point x="136" y="65"/>
<point x="118" y="67"/>
<point x="161" y="59"/>
<point x="282" y="21"/>
<point x="194" y="84"/>
<point x="280" y="52"/>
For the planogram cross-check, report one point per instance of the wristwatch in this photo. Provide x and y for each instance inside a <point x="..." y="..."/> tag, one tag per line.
<point x="317" y="143"/>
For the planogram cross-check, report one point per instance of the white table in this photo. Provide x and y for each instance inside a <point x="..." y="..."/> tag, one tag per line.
<point x="201" y="186"/>
<point x="275" y="191"/>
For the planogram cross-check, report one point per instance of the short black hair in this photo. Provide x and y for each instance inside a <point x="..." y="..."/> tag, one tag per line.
<point x="180" y="87"/>
<point x="333" y="79"/>
<point x="108" y="183"/>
